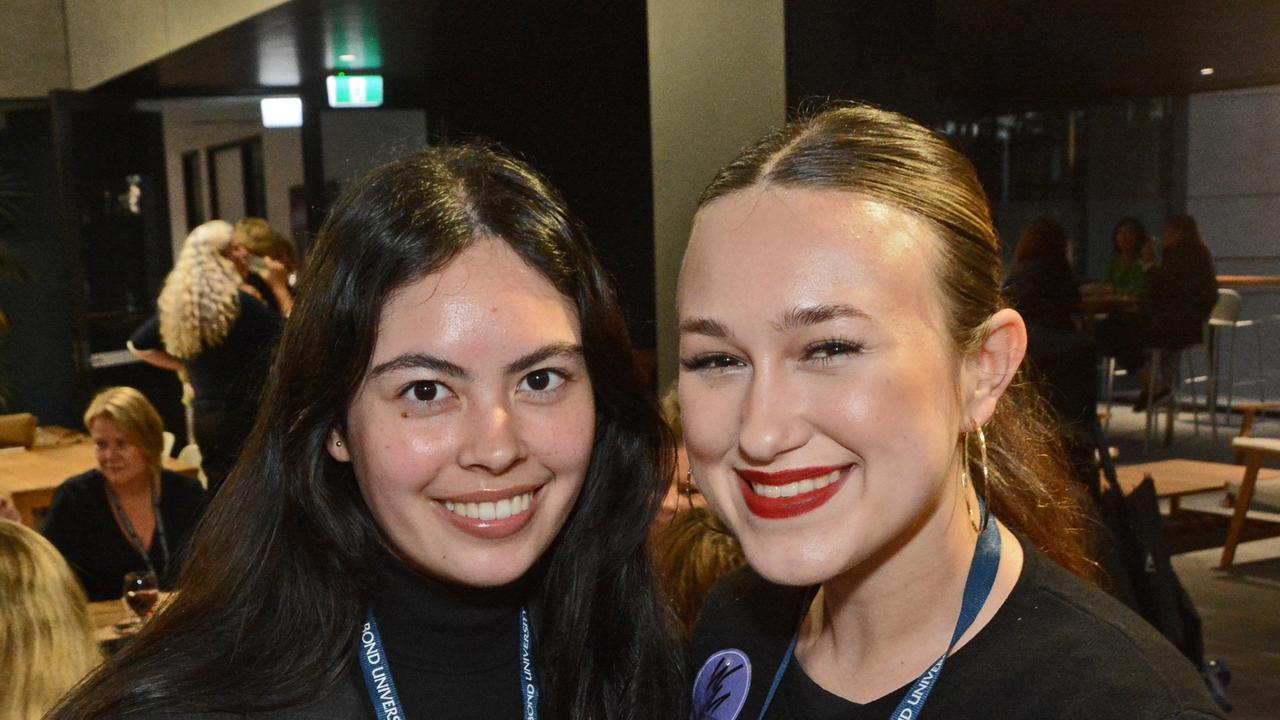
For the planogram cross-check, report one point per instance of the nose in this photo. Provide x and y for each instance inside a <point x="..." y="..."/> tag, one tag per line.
<point x="772" y="422"/>
<point x="493" y="442"/>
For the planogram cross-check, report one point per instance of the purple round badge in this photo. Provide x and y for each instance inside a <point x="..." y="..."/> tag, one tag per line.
<point x="720" y="690"/>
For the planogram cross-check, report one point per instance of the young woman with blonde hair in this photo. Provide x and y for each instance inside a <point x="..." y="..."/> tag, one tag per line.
<point x="852" y="412"/>
<point x="46" y="639"/>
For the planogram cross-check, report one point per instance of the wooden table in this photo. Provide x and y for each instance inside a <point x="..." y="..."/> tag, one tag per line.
<point x="104" y="614"/>
<point x="1176" y="478"/>
<point x="32" y="476"/>
<point x="1248" y="280"/>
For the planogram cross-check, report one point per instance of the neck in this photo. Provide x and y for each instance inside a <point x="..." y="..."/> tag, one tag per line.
<point x="877" y="626"/>
<point x="131" y="487"/>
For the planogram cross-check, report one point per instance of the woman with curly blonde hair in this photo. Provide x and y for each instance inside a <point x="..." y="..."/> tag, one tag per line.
<point x="46" y="639"/>
<point x="212" y="328"/>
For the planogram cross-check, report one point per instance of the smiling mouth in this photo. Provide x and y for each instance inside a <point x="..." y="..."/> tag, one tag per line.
<point x="790" y="493"/>
<point x="499" y="510"/>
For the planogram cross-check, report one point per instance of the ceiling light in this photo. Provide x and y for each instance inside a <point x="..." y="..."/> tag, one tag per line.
<point x="347" y="57"/>
<point x="1206" y="71"/>
<point x="282" y="112"/>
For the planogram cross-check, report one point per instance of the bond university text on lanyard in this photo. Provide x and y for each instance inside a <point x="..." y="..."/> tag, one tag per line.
<point x="982" y="576"/>
<point x="134" y="538"/>
<point x="382" y="689"/>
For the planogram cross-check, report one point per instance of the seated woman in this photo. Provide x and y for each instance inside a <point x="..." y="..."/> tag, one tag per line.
<point x="128" y="514"/>
<point x="1173" y="309"/>
<point x="1041" y="283"/>
<point x="682" y="493"/>
<point x="46" y="639"/>
<point x="1132" y="258"/>
<point x="851" y="413"/>
<point x="444" y="505"/>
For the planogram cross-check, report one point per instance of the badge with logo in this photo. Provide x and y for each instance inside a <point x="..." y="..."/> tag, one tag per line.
<point x="720" y="690"/>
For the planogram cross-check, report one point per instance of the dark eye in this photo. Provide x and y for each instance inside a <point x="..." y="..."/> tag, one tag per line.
<point x="426" y="391"/>
<point x="710" y="361"/>
<point x="543" y="380"/>
<point x="829" y="349"/>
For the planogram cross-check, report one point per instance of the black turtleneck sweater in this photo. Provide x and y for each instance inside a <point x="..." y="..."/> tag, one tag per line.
<point x="453" y="651"/>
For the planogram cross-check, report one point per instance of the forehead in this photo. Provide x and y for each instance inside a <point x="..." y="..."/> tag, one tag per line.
<point x="779" y="246"/>
<point x="487" y="294"/>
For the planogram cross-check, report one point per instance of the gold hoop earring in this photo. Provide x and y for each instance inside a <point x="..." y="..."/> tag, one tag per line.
<point x="977" y="523"/>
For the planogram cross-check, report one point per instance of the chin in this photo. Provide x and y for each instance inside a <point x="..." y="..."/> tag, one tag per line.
<point x="793" y="567"/>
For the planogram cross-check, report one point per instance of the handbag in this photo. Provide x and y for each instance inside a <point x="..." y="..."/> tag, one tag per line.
<point x="1137" y="560"/>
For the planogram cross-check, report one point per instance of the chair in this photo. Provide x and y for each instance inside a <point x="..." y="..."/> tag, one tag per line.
<point x="18" y="430"/>
<point x="1167" y="363"/>
<point x="169" y="439"/>
<point x="1254" y="451"/>
<point x="1226" y="316"/>
<point x="191" y="456"/>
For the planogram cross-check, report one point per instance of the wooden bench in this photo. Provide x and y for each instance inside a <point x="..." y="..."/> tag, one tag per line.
<point x="1175" y="478"/>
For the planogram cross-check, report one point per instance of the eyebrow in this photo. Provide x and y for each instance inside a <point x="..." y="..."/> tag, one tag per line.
<point x="418" y="361"/>
<point x="816" y="314"/>
<point x="704" y="326"/>
<point x="546" y="352"/>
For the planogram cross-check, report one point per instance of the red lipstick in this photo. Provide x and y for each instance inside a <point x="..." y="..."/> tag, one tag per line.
<point x="778" y="508"/>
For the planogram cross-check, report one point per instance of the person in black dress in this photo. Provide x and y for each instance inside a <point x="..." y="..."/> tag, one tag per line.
<point x="851" y="413"/>
<point x="129" y="513"/>
<point x="219" y="337"/>
<point x="448" y="489"/>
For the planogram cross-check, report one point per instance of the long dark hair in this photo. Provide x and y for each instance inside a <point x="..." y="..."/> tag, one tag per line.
<point x="276" y="583"/>
<point x="891" y="158"/>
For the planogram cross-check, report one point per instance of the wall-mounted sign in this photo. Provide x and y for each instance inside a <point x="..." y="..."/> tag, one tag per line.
<point x="354" y="91"/>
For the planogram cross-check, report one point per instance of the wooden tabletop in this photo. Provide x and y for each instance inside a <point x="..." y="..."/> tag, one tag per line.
<point x="1249" y="280"/>
<point x="31" y="476"/>
<point x="1175" y="478"/>
<point x="105" y="614"/>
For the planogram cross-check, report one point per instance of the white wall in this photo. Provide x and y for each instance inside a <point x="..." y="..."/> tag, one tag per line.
<point x="716" y="82"/>
<point x="33" y="48"/>
<point x="106" y="38"/>
<point x="198" y="124"/>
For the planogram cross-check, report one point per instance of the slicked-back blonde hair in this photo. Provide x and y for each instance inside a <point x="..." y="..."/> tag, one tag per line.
<point x="891" y="158"/>
<point x="46" y="638"/>
<point x="134" y="415"/>
<point x="199" y="302"/>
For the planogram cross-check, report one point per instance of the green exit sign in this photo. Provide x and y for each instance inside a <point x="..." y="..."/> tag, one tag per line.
<point x="354" y="91"/>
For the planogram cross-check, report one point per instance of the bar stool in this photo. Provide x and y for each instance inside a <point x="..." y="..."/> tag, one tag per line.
<point x="1226" y="316"/>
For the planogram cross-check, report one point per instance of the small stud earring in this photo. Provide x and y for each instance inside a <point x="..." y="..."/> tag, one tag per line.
<point x="338" y="443"/>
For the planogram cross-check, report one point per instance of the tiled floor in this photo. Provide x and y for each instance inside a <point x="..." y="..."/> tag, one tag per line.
<point x="1240" y="607"/>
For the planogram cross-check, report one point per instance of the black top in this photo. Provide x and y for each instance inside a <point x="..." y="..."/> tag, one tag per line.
<point x="1179" y="295"/>
<point x="227" y="377"/>
<point x="1057" y="648"/>
<point x="81" y="525"/>
<point x="453" y="651"/>
<point x="264" y="289"/>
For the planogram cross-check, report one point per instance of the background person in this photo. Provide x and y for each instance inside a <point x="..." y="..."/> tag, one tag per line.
<point x="46" y="638"/>
<point x="222" y="337"/>
<point x="1132" y="258"/>
<point x="128" y="514"/>
<point x="851" y="412"/>
<point x="456" y="347"/>
<point x="265" y="259"/>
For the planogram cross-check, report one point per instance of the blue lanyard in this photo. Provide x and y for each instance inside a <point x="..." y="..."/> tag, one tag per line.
<point x="982" y="576"/>
<point x="382" y="689"/>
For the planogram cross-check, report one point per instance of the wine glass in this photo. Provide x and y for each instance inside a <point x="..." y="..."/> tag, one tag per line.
<point x="141" y="591"/>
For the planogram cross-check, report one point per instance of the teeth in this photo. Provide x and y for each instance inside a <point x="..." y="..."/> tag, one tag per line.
<point x="499" y="510"/>
<point x="796" y="488"/>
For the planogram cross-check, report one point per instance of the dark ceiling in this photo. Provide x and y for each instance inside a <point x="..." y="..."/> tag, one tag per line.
<point x="911" y="53"/>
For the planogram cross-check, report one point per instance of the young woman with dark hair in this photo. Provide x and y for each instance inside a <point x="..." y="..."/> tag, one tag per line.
<point x="455" y="449"/>
<point x="852" y="411"/>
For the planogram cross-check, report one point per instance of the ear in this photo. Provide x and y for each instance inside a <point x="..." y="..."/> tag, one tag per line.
<point x="988" y="372"/>
<point x="337" y="447"/>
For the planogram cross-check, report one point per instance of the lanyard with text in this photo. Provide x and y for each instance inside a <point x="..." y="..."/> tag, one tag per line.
<point x="982" y="576"/>
<point x="382" y="689"/>
<point x="134" y="539"/>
